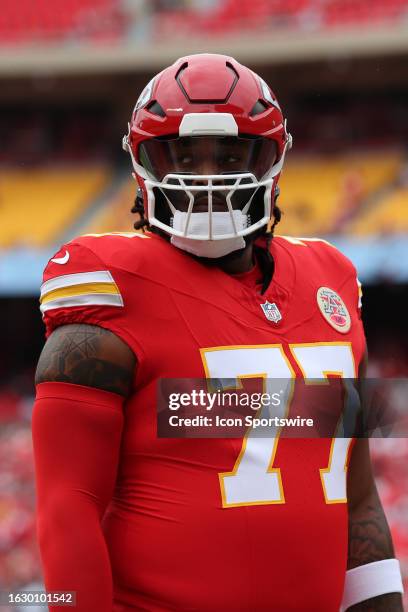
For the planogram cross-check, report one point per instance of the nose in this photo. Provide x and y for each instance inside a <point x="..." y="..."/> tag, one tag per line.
<point x="204" y="168"/>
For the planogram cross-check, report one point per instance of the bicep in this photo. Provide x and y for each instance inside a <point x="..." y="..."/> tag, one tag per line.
<point x="87" y="355"/>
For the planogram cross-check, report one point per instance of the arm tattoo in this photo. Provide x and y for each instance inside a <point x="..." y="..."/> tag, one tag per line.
<point x="369" y="535"/>
<point x="87" y="355"/>
<point x="370" y="540"/>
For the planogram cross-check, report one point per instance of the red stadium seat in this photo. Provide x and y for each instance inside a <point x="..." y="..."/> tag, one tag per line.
<point x="25" y="21"/>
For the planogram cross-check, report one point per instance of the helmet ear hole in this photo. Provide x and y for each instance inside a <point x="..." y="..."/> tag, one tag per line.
<point x="258" y="108"/>
<point x="155" y="108"/>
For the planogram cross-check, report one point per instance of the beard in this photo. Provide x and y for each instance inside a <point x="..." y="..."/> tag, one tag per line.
<point x="234" y="255"/>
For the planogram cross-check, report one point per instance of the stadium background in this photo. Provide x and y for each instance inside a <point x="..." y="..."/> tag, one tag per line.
<point x="70" y="73"/>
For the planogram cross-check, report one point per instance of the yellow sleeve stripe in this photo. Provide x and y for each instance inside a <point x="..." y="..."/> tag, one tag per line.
<point x="83" y="289"/>
<point x="96" y="288"/>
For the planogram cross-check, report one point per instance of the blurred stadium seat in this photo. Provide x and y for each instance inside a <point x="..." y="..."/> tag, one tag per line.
<point x="28" y="21"/>
<point x="319" y="193"/>
<point x="108" y="20"/>
<point x="230" y="16"/>
<point x="115" y="215"/>
<point x="388" y="216"/>
<point x="19" y="557"/>
<point x="362" y="11"/>
<point x="38" y="205"/>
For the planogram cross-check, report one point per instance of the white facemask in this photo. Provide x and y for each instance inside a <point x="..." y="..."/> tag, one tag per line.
<point x="198" y="226"/>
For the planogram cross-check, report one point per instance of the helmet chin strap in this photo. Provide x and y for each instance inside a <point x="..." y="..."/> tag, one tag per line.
<point x="198" y="226"/>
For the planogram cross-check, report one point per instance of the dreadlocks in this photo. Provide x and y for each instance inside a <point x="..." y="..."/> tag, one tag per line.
<point x="138" y="207"/>
<point x="263" y="254"/>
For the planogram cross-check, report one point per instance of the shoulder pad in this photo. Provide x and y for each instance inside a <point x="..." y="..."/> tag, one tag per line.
<point x="320" y="247"/>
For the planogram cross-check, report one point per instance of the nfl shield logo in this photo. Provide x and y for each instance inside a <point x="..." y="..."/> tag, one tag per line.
<point x="271" y="312"/>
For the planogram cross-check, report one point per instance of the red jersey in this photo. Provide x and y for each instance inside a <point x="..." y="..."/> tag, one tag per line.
<point x="204" y="525"/>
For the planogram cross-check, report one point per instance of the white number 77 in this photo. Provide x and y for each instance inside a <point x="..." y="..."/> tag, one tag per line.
<point x="253" y="479"/>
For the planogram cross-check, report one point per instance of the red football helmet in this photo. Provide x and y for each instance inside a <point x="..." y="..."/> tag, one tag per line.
<point x="207" y="140"/>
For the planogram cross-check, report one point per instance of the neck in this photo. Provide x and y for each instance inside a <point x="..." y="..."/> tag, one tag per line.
<point x="238" y="262"/>
<point x="233" y="263"/>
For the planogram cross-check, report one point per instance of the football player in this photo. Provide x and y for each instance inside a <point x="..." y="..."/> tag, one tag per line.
<point x="131" y="521"/>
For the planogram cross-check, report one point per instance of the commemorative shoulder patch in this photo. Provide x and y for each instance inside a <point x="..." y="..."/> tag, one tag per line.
<point x="333" y="309"/>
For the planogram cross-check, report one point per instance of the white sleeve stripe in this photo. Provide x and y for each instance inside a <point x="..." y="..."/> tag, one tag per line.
<point x="59" y="282"/>
<point x="94" y="299"/>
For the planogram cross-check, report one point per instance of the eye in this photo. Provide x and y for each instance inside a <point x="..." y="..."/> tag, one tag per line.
<point x="230" y="159"/>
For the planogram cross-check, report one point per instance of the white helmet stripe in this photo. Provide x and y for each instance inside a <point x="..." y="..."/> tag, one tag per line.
<point x="208" y="124"/>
